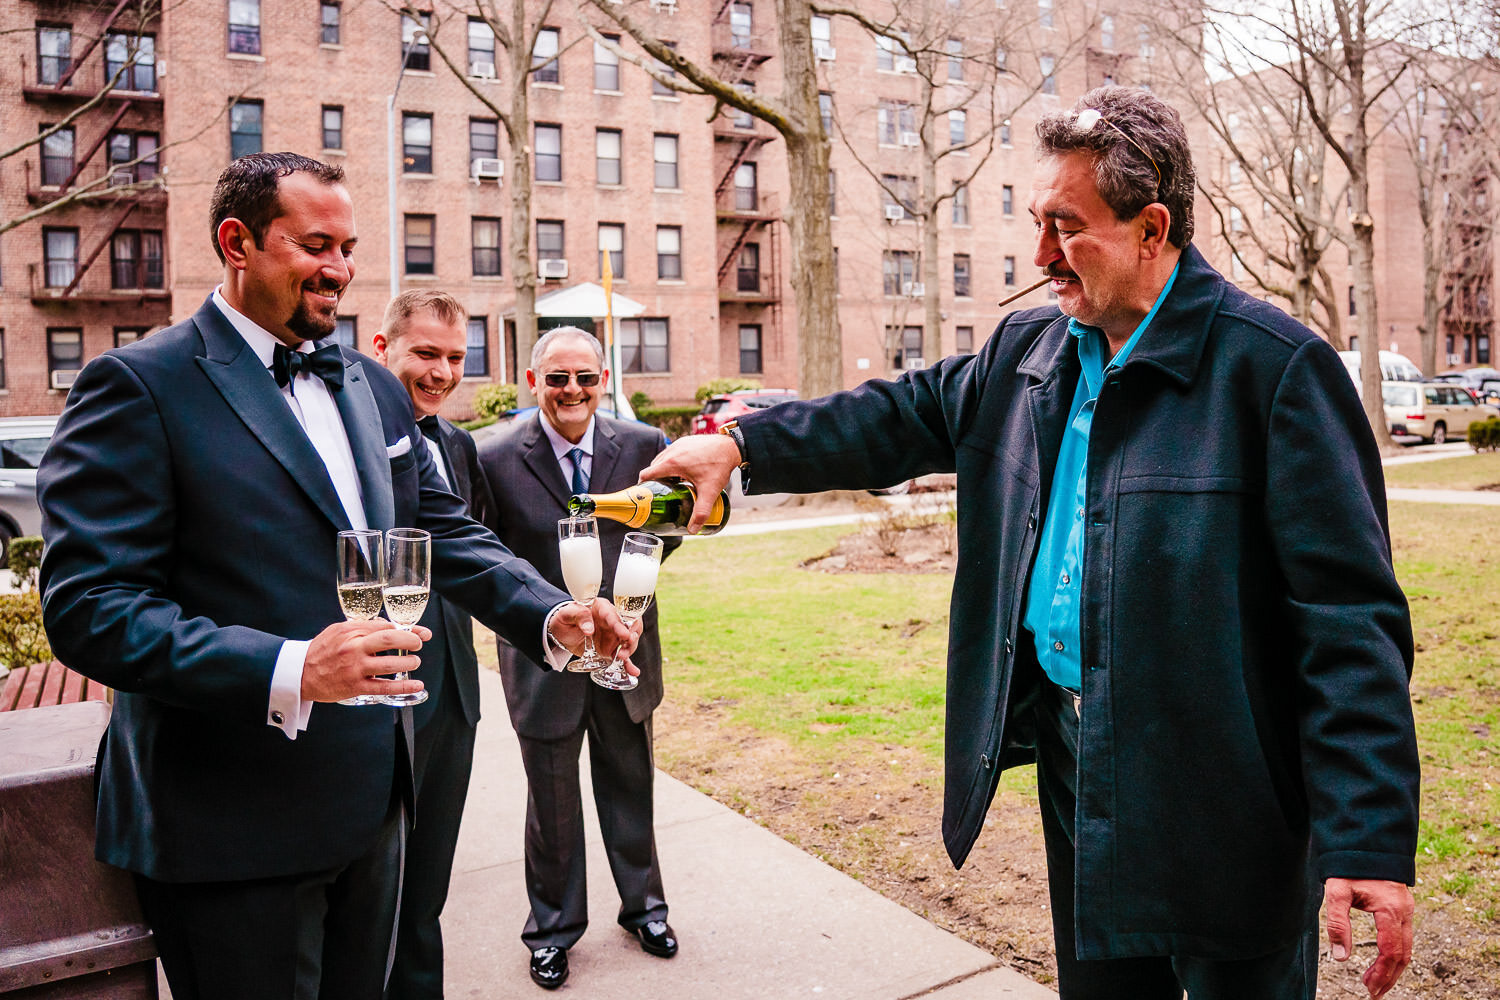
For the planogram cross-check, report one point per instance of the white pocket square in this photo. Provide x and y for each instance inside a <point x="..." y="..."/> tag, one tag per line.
<point x="398" y="449"/>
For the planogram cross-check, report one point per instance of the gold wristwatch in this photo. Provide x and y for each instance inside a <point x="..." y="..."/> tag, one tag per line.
<point x="731" y="429"/>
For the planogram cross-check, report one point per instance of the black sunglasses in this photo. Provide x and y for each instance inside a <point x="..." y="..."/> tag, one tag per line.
<point x="559" y="380"/>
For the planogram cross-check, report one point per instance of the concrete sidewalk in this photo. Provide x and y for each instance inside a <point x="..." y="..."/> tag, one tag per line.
<point x="756" y="916"/>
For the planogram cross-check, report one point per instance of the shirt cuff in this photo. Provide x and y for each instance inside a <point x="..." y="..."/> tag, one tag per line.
<point x="286" y="709"/>
<point x="556" y="654"/>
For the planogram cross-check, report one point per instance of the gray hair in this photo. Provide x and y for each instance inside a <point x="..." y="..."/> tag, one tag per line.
<point x="555" y="334"/>
<point x="1134" y="136"/>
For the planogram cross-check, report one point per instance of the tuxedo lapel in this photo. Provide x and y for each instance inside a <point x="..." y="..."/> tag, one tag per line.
<point x="249" y="389"/>
<point x="542" y="462"/>
<point x="457" y="460"/>
<point x="362" y="424"/>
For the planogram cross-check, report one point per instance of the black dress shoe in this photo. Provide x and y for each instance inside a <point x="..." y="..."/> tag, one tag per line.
<point x="549" y="967"/>
<point x="657" y="938"/>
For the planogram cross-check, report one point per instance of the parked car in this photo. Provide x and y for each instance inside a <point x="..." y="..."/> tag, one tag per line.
<point x="1431" y="411"/>
<point x="1393" y="367"/>
<point x="719" y="410"/>
<point x="1480" y="382"/>
<point x="22" y="441"/>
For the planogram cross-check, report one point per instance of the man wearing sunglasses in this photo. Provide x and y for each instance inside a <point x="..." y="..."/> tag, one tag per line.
<point x="1174" y="589"/>
<point x="532" y="470"/>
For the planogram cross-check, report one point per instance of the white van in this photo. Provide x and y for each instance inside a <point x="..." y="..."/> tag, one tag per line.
<point x="1393" y="367"/>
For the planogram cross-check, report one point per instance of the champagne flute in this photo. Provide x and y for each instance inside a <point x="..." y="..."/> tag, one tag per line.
<point x="635" y="583"/>
<point x="583" y="570"/>
<point x="361" y="566"/>
<point x="408" y="561"/>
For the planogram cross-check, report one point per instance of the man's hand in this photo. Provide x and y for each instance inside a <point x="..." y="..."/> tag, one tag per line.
<point x="573" y="621"/>
<point x="343" y="661"/>
<point x="1392" y="905"/>
<point x="705" y="460"/>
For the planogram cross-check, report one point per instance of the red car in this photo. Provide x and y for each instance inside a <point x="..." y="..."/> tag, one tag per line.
<point x="719" y="410"/>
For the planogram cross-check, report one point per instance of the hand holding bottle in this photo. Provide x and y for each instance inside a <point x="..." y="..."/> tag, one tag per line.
<point x="705" y="460"/>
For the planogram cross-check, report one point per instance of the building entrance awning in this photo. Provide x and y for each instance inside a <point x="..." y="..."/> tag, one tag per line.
<point x="582" y="301"/>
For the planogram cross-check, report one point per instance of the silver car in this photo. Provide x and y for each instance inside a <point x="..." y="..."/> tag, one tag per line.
<point x="22" y="441"/>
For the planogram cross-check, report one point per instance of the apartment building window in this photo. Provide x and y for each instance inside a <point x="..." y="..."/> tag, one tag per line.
<point x="664" y="156"/>
<point x="548" y="148"/>
<point x="346" y="331"/>
<point x="659" y="89"/>
<point x="486" y="239"/>
<point x="244" y="27"/>
<point x="825" y="111"/>
<point x="416" y="144"/>
<point x="895" y="122"/>
<point x="821" y="29"/>
<point x="549" y="239"/>
<point x="607" y="156"/>
<point x="645" y="345"/>
<point x="833" y="193"/>
<point x="1236" y="219"/>
<point x="1005" y="133"/>
<point x="481" y="48"/>
<point x="57" y="156"/>
<point x="1048" y="66"/>
<point x="741" y="24"/>
<point x="750" y="363"/>
<point x="127" y="147"/>
<point x="898" y="191"/>
<point x="54" y="52"/>
<point x="1143" y="41"/>
<point x="329" y="17"/>
<point x="955" y="59"/>
<point x="1044" y="13"/>
<point x="612" y="242"/>
<point x="544" y="63"/>
<point x="333" y="127"/>
<point x="1010" y="272"/>
<point x="245" y="128"/>
<point x="421" y="255"/>
<point x="484" y="139"/>
<point x="963" y="339"/>
<point x="961" y="284"/>
<point x="135" y="259"/>
<point x="417" y="51"/>
<point x="1008" y="199"/>
<point x="60" y="255"/>
<point x="744" y="119"/>
<point x="958" y="128"/>
<point x="1482" y="350"/>
<point x="64" y="351"/>
<point x="133" y="57"/>
<point x="3" y="383"/>
<point x="1351" y="300"/>
<point x="1106" y="31"/>
<point x="907" y="346"/>
<point x="746" y="188"/>
<point x="128" y="335"/>
<point x="898" y="271"/>
<point x="669" y="253"/>
<point x="885" y="53"/>
<point x="477" y="340"/>
<point x="606" y="66"/>
<point x="747" y="268"/>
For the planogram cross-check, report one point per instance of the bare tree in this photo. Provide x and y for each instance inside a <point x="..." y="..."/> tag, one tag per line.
<point x="795" y="115"/>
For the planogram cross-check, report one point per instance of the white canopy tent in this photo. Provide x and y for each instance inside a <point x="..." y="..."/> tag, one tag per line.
<point x="587" y="300"/>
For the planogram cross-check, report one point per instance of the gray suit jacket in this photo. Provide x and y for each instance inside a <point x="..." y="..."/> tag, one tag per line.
<point x="529" y="496"/>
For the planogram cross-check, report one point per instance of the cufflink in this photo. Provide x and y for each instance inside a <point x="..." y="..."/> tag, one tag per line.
<point x="277" y="718"/>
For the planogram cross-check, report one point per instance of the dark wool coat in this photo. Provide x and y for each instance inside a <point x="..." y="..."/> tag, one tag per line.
<point x="1246" y="648"/>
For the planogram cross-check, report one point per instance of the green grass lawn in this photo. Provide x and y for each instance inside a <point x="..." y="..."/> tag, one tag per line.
<point x="1466" y="473"/>
<point x="837" y="664"/>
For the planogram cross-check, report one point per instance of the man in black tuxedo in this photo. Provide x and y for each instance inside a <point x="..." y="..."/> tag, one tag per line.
<point x="532" y="469"/>
<point x="422" y="341"/>
<point x="191" y="497"/>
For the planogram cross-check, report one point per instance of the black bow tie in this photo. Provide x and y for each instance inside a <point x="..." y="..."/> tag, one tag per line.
<point x="326" y="363"/>
<point x="429" y="427"/>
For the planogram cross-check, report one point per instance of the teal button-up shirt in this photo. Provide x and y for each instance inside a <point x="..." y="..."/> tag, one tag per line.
<point x="1055" y="593"/>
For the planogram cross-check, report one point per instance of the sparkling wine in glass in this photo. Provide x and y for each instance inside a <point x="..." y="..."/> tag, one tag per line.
<point x="635" y="583"/>
<point x="583" y="570"/>
<point x="361" y="565"/>
<point x="408" y="576"/>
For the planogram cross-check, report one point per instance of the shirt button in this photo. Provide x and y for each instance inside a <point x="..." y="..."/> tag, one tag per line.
<point x="1058" y="646"/>
<point x="277" y="718"/>
<point x="1079" y="515"/>
<point x="1066" y="579"/>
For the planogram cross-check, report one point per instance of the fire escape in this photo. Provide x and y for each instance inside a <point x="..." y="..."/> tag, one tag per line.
<point x="121" y="185"/>
<point x="1468" y="321"/>
<point x="749" y="271"/>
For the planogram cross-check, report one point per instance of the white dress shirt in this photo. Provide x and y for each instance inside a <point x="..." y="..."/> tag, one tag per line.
<point x="561" y="446"/>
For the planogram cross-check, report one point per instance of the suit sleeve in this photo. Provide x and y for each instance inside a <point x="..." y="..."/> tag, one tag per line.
<point x="107" y="494"/>
<point x="1326" y="513"/>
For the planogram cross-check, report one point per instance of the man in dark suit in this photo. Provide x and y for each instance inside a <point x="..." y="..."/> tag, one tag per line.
<point x="1174" y="588"/>
<point x="422" y="341"/>
<point x="191" y="497"/>
<point x="532" y="470"/>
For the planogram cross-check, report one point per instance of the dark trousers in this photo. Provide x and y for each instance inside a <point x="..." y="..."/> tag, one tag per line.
<point x="444" y="760"/>
<point x="622" y="768"/>
<point x="320" y="936"/>
<point x="1288" y="974"/>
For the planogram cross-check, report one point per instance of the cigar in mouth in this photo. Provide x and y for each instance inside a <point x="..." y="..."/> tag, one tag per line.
<point x="1025" y="291"/>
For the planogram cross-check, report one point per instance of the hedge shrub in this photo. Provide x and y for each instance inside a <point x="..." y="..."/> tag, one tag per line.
<point x="23" y="641"/>
<point x="1484" y="435"/>
<point x="674" y="421"/>
<point x="719" y="386"/>
<point x="495" y="400"/>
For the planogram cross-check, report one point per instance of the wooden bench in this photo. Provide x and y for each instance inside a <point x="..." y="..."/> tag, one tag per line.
<point x="50" y="683"/>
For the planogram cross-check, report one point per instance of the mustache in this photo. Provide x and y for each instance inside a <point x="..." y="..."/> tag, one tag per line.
<point x="1053" y="271"/>
<point x="323" y="285"/>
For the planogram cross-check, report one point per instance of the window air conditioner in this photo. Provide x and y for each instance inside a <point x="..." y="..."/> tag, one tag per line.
<point x="894" y="213"/>
<point x="120" y="178"/>
<point x="486" y="168"/>
<point x="916" y="362"/>
<point x="823" y="51"/>
<point x="911" y="138"/>
<point x="913" y="289"/>
<point x="670" y="6"/>
<point x="1454" y="359"/>
<point x="62" y="378"/>
<point x="906" y="64"/>
<point x="482" y="70"/>
<point x="552" y="267"/>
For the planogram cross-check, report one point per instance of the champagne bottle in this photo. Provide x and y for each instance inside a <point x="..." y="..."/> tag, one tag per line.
<point x="660" y="506"/>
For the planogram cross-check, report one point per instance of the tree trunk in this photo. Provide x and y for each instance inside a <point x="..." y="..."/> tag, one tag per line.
<point x="1432" y="276"/>
<point x="932" y="300"/>
<point x="523" y="270"/>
